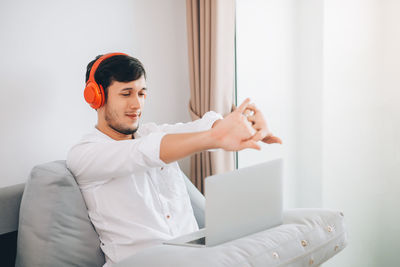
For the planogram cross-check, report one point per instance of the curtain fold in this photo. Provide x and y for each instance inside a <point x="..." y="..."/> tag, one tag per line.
<point x="211" y="36"/>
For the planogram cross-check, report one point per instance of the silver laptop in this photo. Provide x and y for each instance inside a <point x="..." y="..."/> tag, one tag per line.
<point x="239" y="203"/>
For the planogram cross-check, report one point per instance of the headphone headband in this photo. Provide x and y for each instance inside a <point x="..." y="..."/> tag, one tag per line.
<point x="98" y="62"/>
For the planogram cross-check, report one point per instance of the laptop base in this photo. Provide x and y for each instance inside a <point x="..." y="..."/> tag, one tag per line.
<point x="196" y="239"/>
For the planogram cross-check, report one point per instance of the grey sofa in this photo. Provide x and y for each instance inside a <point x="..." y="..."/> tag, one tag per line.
<point x="10" y="199"/>
<point x="54" y="230"/>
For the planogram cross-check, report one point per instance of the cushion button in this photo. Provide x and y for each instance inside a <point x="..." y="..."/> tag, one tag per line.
<point x="275" y="255"/>
<point x="304" y="243"/>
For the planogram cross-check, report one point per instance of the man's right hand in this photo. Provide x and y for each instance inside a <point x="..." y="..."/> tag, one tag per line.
<point x="235" y="132"/>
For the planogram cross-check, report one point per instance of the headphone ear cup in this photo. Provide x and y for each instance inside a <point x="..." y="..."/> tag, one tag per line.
<point x="94" y="95"/>
<point x="103" y="98"/>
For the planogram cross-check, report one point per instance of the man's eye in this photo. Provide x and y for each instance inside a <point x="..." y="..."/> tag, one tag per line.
<point x="126" y="94"/>
<point x="142" y="94"/>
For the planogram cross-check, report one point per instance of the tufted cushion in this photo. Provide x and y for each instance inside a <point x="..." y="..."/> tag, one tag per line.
<point x="308" y="237"/>
<point x="54" y="228"/>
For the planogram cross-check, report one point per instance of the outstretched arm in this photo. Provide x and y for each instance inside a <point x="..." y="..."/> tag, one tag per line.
<point x="232" y="133"/>
<point x="202" y="124"/>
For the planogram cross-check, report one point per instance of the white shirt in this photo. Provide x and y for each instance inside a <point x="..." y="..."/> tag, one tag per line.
<point x="134" y="199"/>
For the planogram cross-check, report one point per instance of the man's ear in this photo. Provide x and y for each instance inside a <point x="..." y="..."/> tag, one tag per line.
<point x="101" y="108"/>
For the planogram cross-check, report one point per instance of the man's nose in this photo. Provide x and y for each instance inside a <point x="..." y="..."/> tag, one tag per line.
<point x="135" y="102"/>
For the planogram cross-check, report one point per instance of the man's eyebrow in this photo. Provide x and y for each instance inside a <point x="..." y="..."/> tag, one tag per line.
<point x="130" y="88"/>
<point x="127" y="89"/>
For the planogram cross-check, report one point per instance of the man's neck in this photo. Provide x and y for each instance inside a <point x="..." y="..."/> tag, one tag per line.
<point x="105" y="129"/>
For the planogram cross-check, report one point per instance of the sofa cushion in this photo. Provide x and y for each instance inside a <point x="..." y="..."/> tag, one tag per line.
<point x="54" y="227"/>
<point x="308" y="237"/>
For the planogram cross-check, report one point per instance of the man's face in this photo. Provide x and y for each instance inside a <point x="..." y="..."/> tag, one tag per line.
<point x="124" y="105"/>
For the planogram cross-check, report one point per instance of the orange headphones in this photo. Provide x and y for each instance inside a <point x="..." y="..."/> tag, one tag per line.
<point x="94" y="93"/>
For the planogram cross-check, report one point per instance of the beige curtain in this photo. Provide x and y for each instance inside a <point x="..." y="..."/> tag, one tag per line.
<point x="211" y="37"/>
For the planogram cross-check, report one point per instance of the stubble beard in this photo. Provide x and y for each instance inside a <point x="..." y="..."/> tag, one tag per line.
<point x="112" y="118"/>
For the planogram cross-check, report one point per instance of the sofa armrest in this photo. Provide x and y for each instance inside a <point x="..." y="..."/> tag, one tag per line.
<point x="308" y="237"/>
<point x="10" y="200"/>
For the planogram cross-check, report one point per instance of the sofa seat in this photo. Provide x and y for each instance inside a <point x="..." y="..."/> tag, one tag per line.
<point x="308" y="237"/>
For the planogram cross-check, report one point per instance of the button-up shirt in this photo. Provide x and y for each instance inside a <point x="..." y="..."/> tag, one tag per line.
<point x="134" y="199"/>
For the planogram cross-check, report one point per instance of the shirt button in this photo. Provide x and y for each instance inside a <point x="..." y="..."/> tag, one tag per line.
<point x="168" y="216"/>
<point x="162" y="168"/>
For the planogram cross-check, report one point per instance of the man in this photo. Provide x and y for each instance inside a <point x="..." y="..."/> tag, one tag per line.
<point x="128" y="175"/>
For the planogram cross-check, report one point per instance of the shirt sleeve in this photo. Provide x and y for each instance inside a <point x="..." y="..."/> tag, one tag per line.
<point x="203" y="124"/>
<point x="100" y="161"/>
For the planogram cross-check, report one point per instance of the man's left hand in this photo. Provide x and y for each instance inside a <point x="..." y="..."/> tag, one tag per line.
<point x="258" y="122"/>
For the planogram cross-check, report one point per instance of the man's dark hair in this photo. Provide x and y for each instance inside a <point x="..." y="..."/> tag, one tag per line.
<point x="120" y="68"/>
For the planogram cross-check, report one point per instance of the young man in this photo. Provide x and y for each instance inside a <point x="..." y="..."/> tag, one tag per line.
<point x="130" y="180"/>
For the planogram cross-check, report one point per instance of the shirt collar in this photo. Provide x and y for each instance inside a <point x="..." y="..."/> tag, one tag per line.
<point x="98" y="132"/>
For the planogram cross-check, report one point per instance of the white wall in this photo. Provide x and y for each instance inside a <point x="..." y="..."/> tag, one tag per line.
<point x="327" y="75"/>
<point x="44" y="49"/>
<point x="264" y="41"/>
<point x="308" y="93"/>
<point x="361" y="148"/>
<point x="274" y="41"/>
